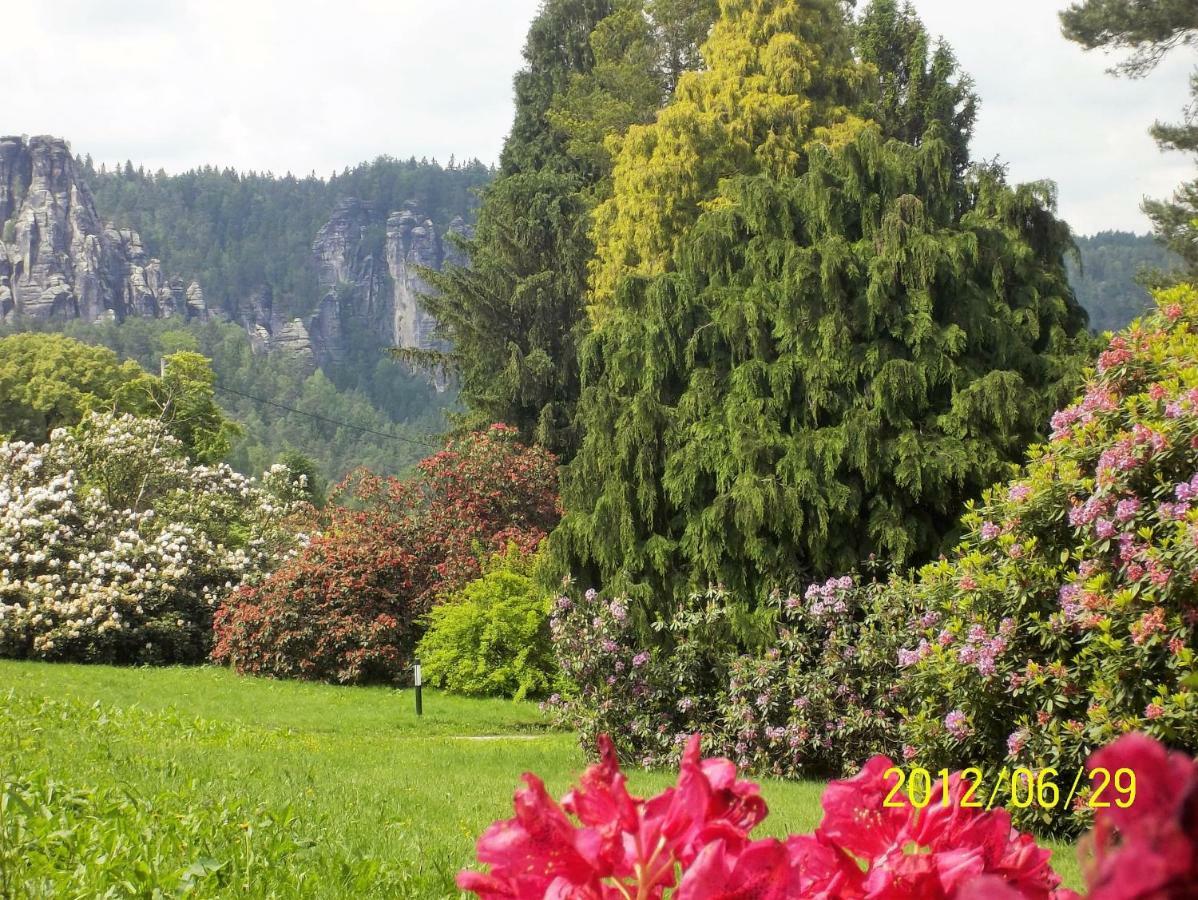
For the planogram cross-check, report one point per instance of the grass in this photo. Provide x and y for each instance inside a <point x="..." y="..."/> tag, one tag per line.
<point x="125" y="782"/>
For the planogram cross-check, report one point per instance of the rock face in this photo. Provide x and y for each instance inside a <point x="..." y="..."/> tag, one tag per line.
<point x="58" y="261"/>
<point x="370" y="285"/>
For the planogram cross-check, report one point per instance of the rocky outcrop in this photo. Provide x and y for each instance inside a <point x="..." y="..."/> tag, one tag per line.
<point x="59" y="261"/>
<point x="271" y="332"/>
<point x="370" y="280"/>
<point x="412" y="242"/>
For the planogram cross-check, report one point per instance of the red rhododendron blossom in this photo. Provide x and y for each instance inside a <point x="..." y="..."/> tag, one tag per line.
<point x="936" y="852"/>
<point x="693" y="841"/>
<point x="620" y="845"/>
<point x="1150" y="849"/>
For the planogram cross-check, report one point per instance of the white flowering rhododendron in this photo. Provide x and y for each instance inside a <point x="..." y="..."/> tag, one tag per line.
<point x="115" y="548"/>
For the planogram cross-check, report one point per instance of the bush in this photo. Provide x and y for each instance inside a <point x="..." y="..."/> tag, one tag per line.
<point x="114" y="548"/>
<point x="350" y="608"/>
<point x="648" y="699"/>
<point x="491" y="638"/>
<point x="822" y="697"/>
<point x="816" y="697"/>
<point x="1067" y="615"/>
<point x="344" y="611"/>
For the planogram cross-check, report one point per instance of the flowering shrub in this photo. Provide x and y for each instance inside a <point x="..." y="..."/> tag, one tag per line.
<point x="114" y="548"/>
<point x="342" y="611"/>
<point x="486" y="490"/>
<point x="491" y="637"/>
<point x="693" y="841"/>
<point x="817" y="698"/>
<point x="350" y="608"/>
<point x="648" y="699"/>
<point x="1067" y="615"/>
<point x="822" y="696"/>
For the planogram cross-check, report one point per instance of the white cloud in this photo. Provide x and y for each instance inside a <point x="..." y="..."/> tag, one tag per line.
<point x="306" y="85"/>
<point x="1050" y="110"/>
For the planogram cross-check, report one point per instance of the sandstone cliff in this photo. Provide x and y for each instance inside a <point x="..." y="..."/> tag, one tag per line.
<point x="370" y="284"/>
<point x="59" y="261"/>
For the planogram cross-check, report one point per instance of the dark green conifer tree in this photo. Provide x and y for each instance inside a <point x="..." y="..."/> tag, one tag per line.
<point x="835" y="360"/>
<point x="918" y="82"/>
<point x="512" y="313"/>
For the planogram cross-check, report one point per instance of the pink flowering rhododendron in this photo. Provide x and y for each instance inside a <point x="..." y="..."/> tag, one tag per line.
<point x="692" y="842"/>
<point x="617" y="845"/>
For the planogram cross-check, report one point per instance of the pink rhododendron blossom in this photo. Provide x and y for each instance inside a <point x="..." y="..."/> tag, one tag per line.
<point x="936" y="852"/>
<point x="957" y="724"/>
<point x="691" y="842"/>
<point x="601" y="842"/>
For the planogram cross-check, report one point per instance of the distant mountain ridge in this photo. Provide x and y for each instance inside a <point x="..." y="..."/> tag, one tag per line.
<point x="321" y="270"/>
<point x="1105" y="275"/>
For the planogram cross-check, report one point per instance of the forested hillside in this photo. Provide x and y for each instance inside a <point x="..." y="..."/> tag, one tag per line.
<point x="237" y="231"/>
<point x="1107" y="275"/>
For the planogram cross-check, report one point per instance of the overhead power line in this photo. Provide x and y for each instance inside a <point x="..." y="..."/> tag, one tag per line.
<point x="339" y="424"/>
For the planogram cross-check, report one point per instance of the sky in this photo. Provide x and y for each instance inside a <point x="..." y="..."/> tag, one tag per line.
<point x="313" y="85"/>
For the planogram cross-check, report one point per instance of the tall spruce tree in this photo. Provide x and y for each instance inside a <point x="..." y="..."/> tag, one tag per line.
<point x="625" y="87"/>
<point x="558" y="46"/>
<point x="917" y="82"/>
<point x="845" y="346"/>
<point x="515" y="313"/>
<point x="512" y="312"/>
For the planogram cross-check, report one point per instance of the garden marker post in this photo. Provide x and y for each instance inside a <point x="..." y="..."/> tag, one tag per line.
<point x="419" y="699"/>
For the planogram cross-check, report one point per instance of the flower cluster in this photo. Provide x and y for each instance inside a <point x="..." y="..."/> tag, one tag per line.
<point x="599" y="651"/>
<point x="694" y="841"/>
<point x="1149" y="849"/>
<point x="817" y="699"/>
<point x="114" y="548"/>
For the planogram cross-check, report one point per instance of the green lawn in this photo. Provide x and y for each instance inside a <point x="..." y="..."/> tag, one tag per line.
<point x="127" y="780"/>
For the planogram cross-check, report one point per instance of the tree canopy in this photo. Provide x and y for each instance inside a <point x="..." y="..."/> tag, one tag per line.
<point x="777" y="75"/>
<point x="836" y="347"/>
<point x="50" y="381"/>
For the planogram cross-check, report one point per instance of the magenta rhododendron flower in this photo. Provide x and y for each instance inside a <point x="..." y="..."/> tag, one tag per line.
<point x="692" y="842"/>
<point x="1150" y="849"/>
<point x="616" y="845"/>
<point x="936" y="852"/>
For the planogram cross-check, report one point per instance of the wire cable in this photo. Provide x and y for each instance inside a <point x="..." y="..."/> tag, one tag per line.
<point x="319" y="418"/>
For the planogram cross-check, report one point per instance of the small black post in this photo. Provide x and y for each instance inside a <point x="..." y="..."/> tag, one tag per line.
<point x="419" y="699"/>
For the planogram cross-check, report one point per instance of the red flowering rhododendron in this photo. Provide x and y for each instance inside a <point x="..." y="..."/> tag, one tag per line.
<point x="621" y="846"/>
<point x="692" y="842"/>
<point x="349" y="607"/>
<point x="938" y="851"/>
